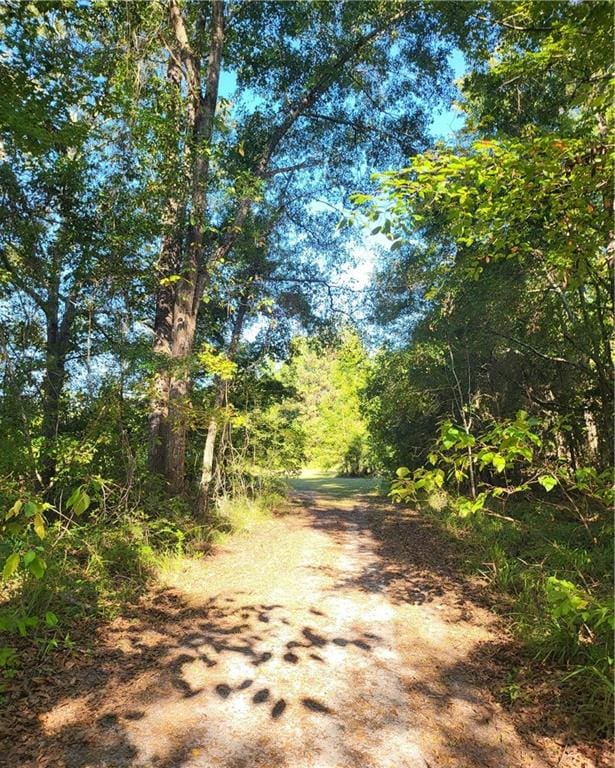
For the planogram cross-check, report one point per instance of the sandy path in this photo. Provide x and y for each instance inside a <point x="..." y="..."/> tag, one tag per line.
<point x="307" y="643"/>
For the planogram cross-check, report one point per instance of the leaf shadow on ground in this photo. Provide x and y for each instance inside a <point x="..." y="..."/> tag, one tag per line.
<point x="417" y="563"/>
<point x="171" y="638"/>
<point x="165" y="650"/>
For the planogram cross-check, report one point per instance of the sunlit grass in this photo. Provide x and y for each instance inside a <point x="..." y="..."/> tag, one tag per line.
<point x="327" y="483"/>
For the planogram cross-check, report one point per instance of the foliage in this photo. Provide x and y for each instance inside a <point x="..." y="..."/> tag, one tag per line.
<point x="329" y="381"/>
<point x="509" y="457"/>
<point x="170" y="268"/>
<point x="560" y="606"/>
<point x="91" y="562"/>
<point x="495" y="385"/>
<point x="241" y="513"/>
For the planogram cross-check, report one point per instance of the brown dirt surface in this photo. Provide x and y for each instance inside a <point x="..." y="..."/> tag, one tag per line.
<point x="339" y="635"/>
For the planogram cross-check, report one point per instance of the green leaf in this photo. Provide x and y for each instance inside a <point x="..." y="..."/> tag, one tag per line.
<point x="51" y="619"/>
<point x="37" y="567"/>
<point x="403" y="472"/>
<point x="499" y="462"/>
<point x="10" y="566"/>
<point x="30" y="508"/>
<point x="29" y="557"/>
<point x="7" y="656"/>
<point x="39" y="525"/>
<point x="170" y="280"/>
<point x="548" y="482"/>
<point x="79" y="501"/>
<point x="463" y="506"/>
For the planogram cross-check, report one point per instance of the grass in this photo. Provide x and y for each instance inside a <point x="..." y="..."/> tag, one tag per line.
<point x="555" y="582"/>
<point x="97" y="567"/>
<point x="238" y="514"/>
<point x="329" y="485"/>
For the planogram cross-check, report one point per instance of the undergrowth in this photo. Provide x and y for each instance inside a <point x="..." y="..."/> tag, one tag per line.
<point x="558" y="577"/>
<point x="93" y="567"/>
<point x="236" y="514"/>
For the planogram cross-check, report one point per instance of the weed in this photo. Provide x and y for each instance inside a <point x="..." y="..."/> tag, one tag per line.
<point x="559" y="581"/>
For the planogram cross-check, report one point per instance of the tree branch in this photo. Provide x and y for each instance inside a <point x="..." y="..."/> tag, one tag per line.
<point x="21" y="284"/>
<point x="540" y="354"/>
<point x="289" y="168"/>
<point x="516" y="27"/>
<point x="302" y="104"/>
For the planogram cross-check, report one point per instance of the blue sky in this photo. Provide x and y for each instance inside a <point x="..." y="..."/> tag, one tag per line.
<point x="362" y="253"/>
<point x="446" y="120"/>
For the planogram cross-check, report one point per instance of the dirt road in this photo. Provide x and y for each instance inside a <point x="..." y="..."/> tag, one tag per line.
<point x="310" y="642"/>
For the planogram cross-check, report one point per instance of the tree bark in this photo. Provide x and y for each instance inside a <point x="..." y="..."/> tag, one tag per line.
<point x="168" y="263"/>
<point x="53" y="384"/>
<point x="58" y="334"/>
<point x="177" y="308"/>
<point x="209" y="451"/>
<point x="207" y="468"/>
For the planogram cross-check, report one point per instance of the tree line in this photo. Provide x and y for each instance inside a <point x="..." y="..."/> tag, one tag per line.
<point x="170" y="177"/>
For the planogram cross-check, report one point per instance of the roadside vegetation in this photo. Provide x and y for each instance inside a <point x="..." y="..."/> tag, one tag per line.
<point x="497" y="392"/>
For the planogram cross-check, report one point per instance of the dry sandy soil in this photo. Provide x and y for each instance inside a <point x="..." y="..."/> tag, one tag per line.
<point x="309" y="642"/>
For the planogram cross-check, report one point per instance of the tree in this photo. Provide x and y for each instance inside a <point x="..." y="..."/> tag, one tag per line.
<point x="342" y="40"/>
<point x="329" y="380"/>
<point x="511" y="271"/>
<point x="60" y="241"/>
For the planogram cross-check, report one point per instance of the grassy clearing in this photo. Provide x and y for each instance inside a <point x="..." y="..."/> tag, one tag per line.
<point x="328" y="484"/>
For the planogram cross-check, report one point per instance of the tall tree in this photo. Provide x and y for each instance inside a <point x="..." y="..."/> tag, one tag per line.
<point x="59" y="179"/>
<point x="510" y="274"/>
<point x="345" y="40"/>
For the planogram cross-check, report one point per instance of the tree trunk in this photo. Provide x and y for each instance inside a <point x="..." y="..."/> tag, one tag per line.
<point x="209" y="452"/>
<point x="177" y="309"/>
<point x="53" y="384"/>
<point x="184" y="328"/>
<point x="56" y="349"/>
<point x="207" y="469"/>
<point x="163" y="336"/>
<point x="168" y="263"/>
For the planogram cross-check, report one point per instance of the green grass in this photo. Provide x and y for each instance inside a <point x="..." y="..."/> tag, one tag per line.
<point x="237" y="514"/>
<point x="328" y="485"/>
<point x="518" y="559"/>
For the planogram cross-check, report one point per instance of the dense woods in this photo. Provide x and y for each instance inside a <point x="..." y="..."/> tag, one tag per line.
<point x="182" y="187"/>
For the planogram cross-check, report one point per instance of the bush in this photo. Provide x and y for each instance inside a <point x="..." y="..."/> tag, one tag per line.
<point x="82" y="566"/>
<point x="558" y="577"/>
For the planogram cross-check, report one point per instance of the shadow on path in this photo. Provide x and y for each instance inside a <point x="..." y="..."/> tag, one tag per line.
<point x="382" y="658"/>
